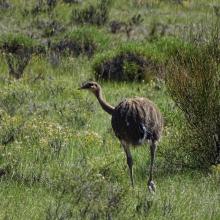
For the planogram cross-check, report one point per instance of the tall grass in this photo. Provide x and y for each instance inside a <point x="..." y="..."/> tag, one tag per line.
<point x="193" y="82"/>
<point x="59" y="158"/>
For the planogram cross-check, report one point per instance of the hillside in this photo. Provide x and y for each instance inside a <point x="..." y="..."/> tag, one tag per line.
<point x="59" y="157"/>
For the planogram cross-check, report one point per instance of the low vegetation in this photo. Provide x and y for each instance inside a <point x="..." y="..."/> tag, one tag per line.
<point x="82" y="41"/>
<point x="129" y="62"/>
<point x="18" y="50"/>
<point x="92" y="14"/>
<point x="59" y="158"/>
<point x="193" y="82"/>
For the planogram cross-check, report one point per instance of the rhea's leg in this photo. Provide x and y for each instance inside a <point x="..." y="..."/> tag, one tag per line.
<point x="129" y="162"/>
<point x="153" y="148"/>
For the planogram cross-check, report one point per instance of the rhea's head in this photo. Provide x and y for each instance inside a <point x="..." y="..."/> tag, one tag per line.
<point x="91" y="86"/>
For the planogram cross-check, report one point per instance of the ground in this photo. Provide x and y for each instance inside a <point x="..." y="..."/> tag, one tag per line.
<point x="59" y="158"/>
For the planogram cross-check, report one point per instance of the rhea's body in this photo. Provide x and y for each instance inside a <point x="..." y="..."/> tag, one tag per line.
<point x="136" y="120"/>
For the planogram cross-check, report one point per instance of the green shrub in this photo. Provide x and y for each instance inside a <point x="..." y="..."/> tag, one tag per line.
<point x="4" y="4"/>
<point x="92" y="14"/>
<point x="41" y="6"/>
<point x="84" y="40"/>
<point x="72" y="1"/>
<point x="13" y="42"/>
<point x="15" y="98"/>
<point x="10" y="127"/>
<point x="171" y="46"/>
<point x="49" y="27"/>
<point x="126" y="26"/>
<point x="18" y="50"/>
<point x="130" y="61"/>
<point x="193" y="82"/>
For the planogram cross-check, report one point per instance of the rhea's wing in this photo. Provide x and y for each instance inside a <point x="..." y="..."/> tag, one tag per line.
<point x="135" y="120"/>
<point x="127" y="123"/>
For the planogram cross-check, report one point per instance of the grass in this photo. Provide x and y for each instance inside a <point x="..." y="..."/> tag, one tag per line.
<point x="60" y="157"/>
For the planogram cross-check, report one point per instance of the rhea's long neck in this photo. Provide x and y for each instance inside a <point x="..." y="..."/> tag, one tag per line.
<point x="105" y="106"/>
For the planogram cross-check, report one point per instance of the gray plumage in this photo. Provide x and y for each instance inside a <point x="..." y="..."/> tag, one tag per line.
<point x="134" y="121"/>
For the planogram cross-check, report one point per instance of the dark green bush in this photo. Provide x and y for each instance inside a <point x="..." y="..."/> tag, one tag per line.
<point x="127" y="26"/>
<point x="72" y="1"/>
<point x="18" y="50"/>
<point x="84" y="40"/>
<point x="131" y="61"/>
<point x="44" y="5"/>
<point x="4" y="4"/>
<point x="40" y="6"/>
<point x="193" y="82"/>
<point x="49" y="27"/>
<point x="92" y="14"/>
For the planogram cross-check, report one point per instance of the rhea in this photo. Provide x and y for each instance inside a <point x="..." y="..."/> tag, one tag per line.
<point x="135" y="121"/>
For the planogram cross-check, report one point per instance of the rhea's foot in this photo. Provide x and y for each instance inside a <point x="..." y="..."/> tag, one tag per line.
<point x="151" y="186"/>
